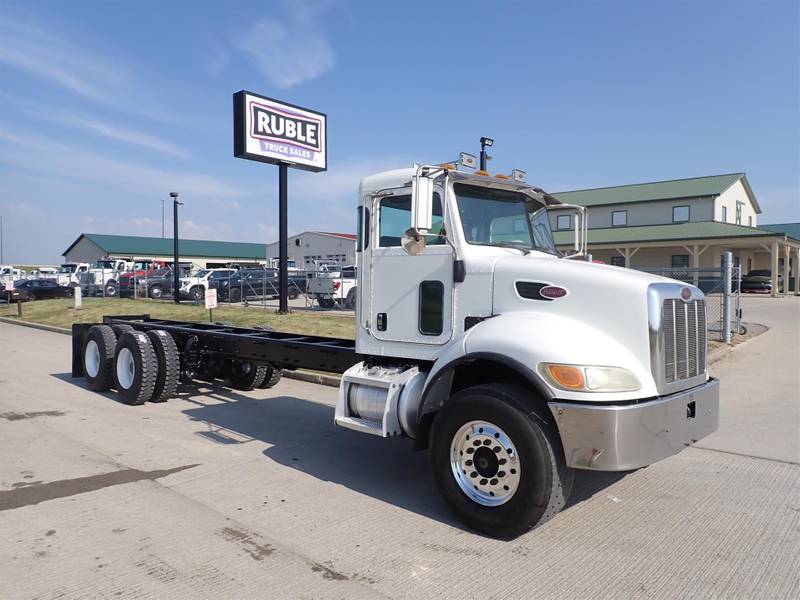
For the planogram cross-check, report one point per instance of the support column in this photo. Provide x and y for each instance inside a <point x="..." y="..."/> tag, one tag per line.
<point x="786" y="271"/>
<point x="773" y="256"/>
<point x="628" y="254"/>
<point x="695" y="251"/>
<point x="797" y="271"/>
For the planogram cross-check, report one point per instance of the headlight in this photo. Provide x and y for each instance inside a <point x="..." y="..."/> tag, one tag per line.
<point x="586" y="378"/>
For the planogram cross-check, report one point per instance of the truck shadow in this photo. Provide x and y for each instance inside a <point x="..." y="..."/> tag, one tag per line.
<point x="302" y="436"/>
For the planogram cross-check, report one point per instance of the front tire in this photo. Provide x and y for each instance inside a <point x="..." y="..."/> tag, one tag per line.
<point x="497" y="464"/>
<point x="197" y="293"/>
<point x="156" y="292"/>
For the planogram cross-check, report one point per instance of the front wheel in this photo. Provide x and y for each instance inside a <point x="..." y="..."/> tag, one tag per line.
<point x="497" y="464"/>
<point x="197" y="293"/>
<point x="156" y="292"/>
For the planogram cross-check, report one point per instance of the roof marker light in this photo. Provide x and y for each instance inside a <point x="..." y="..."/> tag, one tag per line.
<point x="518" y="175"/>
<point x="468" y="160"/>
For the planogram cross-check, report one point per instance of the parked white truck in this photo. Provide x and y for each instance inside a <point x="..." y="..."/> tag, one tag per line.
<point x="515" y="366"/>
<point x="334" y="288"/>
<point x="103" y="277"/>
<point x="70" y="273"/>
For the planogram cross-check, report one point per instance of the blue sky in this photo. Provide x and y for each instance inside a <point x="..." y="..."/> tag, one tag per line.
<point x="106" y="107"/>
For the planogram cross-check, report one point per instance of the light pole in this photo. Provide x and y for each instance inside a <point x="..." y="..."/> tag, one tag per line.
<point x="162" y="218"/>
<point x="485" y="143"/>
<point x="175" y="269"/>
<point x="1" y="240"/>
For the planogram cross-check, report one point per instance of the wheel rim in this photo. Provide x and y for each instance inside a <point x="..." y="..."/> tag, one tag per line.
<point x="126" y="368"/>
<point x="485" y="463"/>
<point x="155" y="292"/>
<point x="91" y="358"/>
<point x="241" y="369"/>
<point x="111" y="290"/>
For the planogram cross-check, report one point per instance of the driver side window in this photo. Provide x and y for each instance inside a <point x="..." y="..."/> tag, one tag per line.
<point x="395" y="217"/>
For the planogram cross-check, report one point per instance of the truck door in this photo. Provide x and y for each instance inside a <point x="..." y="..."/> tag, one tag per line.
<point x="410" y="297"/>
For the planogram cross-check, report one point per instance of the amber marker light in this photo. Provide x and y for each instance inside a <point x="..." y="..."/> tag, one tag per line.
<point x="567" y="376"/>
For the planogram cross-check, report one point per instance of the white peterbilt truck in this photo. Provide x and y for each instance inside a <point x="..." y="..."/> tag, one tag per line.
<point x="513" y="365"/>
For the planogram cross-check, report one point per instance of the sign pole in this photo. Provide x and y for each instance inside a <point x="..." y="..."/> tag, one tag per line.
<point x="283" y="243"/>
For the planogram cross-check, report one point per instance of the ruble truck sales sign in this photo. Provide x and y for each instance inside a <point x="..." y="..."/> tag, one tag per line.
<point x="276" y="132"/>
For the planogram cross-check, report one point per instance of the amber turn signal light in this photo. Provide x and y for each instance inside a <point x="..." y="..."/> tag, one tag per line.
<point x="567" y="376"/>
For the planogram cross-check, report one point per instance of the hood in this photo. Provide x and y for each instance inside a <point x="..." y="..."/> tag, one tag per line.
<point x="612" y="300"/>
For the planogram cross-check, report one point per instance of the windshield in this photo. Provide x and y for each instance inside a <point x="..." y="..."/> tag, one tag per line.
<point x="502" y="218"/>
<point x="67" y="269"/>
<point x="104" y="264"/>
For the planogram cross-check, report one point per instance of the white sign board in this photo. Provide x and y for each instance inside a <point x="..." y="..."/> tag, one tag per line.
<point x="270" y="131"/>
<point x="211" y="298"/>
<point x="9" y="286"/>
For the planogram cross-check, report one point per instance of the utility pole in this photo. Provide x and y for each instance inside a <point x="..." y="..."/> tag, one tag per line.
<point x="162" y="218"/>
<point x="1" y="240"/>
<point x="175" y="270"/>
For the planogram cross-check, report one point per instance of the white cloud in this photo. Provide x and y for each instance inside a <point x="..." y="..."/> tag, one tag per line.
<point x="290" y="50"/>
<point x="131" y="136"/>
<point x="76" y="164"/>
<point x="53" y="58"/>
<point x="190" y="229"/>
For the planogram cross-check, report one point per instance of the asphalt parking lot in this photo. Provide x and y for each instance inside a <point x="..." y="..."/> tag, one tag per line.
<point x="222" y="494"/>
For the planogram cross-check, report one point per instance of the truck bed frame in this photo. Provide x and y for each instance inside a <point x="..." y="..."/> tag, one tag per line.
<point x="278" y="349"/>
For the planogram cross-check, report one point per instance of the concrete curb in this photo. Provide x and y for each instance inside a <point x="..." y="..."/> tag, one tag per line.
<point x="306" y="376"/>
<point x="753" y="330"/>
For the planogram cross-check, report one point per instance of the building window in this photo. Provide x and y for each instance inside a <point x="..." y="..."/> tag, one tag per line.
<point x="680" y="214"/>
<point x="680" y="261"/>
<point x="750" y="220"/>
<point x="724" y="214"/>
<point x="619" y="218"/>
<point x="739" y="206"/>
<point x="618" y="261"/>
<point x="563" y="221"/>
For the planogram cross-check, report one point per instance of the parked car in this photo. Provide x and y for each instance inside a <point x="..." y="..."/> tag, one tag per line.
<point x="258" y="283"/>
<point x="760" y="282"/>
<point x="194" y="287"/>
<point x="26" y="290"/>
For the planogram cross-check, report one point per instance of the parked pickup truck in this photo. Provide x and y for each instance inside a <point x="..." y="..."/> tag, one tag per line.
<point x="475" y="338"/>
<point x="194" y="287"/>
<point x="335" y="288"/>
<point x="102" y="279"/>
<point x="256" y="283"/>
<point x="69" y="273"/>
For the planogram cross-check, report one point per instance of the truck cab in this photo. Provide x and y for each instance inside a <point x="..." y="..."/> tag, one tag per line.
<point x="466" y="308"/>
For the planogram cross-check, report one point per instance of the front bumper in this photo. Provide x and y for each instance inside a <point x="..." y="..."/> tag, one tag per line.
<point x="630" y="436"/>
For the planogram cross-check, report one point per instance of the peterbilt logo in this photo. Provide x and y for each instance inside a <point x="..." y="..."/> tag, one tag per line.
<point x="686" y="293"/>
<point x="269" y="123"/>
<point x="551" y="292"/>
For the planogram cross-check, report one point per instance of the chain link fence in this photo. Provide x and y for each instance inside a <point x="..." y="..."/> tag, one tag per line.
<point x="722" y="298"/>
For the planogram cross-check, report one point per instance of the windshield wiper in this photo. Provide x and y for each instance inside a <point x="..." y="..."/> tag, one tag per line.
<point x="524" y="251"/>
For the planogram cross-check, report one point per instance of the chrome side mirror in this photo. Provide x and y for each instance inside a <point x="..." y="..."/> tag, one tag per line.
<point x="413" y="242"/>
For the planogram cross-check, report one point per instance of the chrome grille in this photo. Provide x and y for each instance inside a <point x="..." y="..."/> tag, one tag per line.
<point x="683" y="327"/>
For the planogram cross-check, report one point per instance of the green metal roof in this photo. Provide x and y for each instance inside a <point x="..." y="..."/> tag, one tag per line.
<point x="790" y="229"/>
<point x="133" y="246"/>
<point x="677" y="232"/>
<point x="694" y="187"/>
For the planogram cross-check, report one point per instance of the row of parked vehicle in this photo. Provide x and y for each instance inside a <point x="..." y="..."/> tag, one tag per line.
<point x="150" y="278"/>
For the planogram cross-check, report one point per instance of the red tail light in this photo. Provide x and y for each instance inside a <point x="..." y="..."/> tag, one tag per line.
<point x="337" y="285"/>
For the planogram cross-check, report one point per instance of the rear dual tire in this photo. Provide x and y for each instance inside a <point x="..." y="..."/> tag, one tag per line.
<point x="141" y="366"/>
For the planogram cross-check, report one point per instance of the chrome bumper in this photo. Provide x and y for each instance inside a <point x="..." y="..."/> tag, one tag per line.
<point x="630" y="436"/>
